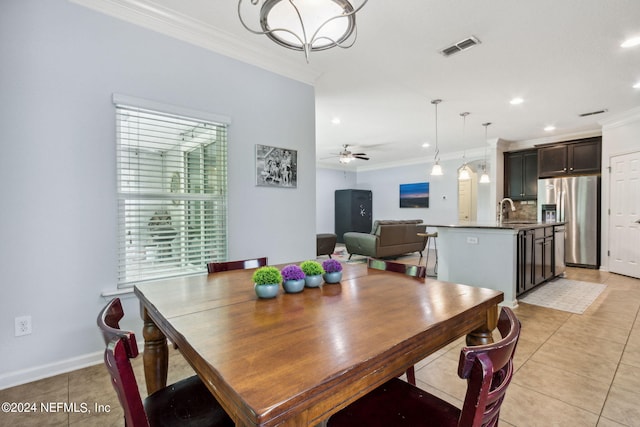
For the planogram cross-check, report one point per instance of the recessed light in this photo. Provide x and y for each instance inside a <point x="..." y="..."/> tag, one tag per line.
<point x="335" y="120"/>
<point x="516" y="101"/>
<point x="633" y="41"/>
<point x="425" y="145"/>
<point x="636" y="86"/>
<point x="549" y="128"/>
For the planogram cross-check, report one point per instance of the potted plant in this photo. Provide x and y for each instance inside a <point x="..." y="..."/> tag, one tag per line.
<point x="333" y="270"/>
<point x="313" y="273"/>
<point x="267" y="280"/>
<point x="292" y="278"/>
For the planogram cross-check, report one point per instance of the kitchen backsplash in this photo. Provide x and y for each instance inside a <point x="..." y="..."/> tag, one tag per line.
<point x="525" y="210"/>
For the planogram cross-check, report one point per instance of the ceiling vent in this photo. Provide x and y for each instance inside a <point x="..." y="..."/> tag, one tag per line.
<point x="593" y="113"/>
<point x="460" y="46"/>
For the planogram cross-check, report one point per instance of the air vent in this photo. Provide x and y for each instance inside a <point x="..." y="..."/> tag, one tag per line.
<point x="593" y="113"/>
<point x="460" y="46"/>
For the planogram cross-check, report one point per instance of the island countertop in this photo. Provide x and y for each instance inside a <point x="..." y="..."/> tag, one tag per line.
<point x="486" y="254"/>
<point x="509" y="225"/>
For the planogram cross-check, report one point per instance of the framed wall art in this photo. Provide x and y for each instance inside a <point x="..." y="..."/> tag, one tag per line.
<point x="276" y="167"/>
<point x="414" y="195"/>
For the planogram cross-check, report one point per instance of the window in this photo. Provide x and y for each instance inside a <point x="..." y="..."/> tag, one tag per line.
<point x="172" y="193"/>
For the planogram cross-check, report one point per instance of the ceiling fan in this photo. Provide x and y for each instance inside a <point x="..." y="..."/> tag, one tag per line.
<point x="347" y="156"/>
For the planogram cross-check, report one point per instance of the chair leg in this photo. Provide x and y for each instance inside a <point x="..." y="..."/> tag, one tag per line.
<point x="435" y="246"/>
<point x="411" y="376"/>
<point x="350" y="256"/>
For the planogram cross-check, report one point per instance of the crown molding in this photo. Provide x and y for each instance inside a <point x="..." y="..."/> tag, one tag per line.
<point x="173" y="24"/>
<point x="624" y="118"/>
<point x="531" y="143"/>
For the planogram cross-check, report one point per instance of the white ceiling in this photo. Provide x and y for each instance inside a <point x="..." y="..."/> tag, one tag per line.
<point x="563" y="57"/>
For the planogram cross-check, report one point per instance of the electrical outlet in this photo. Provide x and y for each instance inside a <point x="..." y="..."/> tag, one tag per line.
<point x="23" y="325"/>
<point x="472" y="240"/>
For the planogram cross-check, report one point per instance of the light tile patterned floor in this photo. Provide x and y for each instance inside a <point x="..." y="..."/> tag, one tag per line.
<point x="563" y="294"/>
<point x="572" y="369"/>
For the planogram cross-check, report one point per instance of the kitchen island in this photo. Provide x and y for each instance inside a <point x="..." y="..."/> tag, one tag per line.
<point x="512" y="257"/>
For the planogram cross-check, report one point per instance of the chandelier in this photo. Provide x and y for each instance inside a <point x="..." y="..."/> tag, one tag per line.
<point x="304" y="25"/>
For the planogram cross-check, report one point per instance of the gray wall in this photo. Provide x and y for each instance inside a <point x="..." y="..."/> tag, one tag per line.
<point x="61" y="63"/>
<point x="327" y="182"/>
<point x="620" y="135"/>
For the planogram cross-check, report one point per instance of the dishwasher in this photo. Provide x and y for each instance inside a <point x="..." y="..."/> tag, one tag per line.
<point x="559" y="265"/>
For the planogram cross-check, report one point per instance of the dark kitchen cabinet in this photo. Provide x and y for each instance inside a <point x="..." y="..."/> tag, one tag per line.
<point x="575" y="157"/>
<point x="525" y="261"/>
<point x="352" y="212"/>
<point x="536" y="251"/>
<point x="542" y="255"/>
<point x="521" y="175"/>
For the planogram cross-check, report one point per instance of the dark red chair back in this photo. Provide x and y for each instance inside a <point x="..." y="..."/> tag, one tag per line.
<point x="122" y="346"/>
<point x="488" y="370"/>
<point x="187" y="403"/>
<point x="215" y="267"/>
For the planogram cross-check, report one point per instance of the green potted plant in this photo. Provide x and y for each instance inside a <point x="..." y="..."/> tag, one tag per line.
<point x="267" y="280"/>
<point x="333" y="270"/>
<point x="313" y="273"/>
<point x="292" y="278"/>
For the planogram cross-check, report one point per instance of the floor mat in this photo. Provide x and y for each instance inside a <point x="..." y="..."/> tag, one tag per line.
<point x="565" y="295"/>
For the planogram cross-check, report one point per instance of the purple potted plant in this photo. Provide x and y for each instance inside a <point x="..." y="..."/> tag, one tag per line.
<point x="292" y="279"/>
<point x="333" y="271"/>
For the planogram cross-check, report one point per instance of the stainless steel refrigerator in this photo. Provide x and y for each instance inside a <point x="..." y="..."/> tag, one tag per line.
<point x="577" y="201"/>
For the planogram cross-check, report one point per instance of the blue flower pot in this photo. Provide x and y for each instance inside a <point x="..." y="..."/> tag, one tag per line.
<point x="293" y="286"/>
<point x="266" y="291"/>
<point x="313" y="281"/>
<point x="333" y="277"/>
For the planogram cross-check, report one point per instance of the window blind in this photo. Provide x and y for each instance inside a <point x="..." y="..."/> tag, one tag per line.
<point x="172" y="194"/>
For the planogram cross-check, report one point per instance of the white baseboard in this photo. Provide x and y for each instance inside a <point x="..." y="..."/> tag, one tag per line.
<point x="24" y="376"/>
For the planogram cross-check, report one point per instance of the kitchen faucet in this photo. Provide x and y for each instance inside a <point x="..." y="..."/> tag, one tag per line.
<point x="500" y="207"/>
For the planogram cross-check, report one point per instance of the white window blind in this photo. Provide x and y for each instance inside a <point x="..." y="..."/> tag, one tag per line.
<point x="172" y="194"/>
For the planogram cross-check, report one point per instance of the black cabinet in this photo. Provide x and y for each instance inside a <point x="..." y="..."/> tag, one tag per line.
<point x="573" y="157"/>
<point x="521" y="175"/>
<point x="352" y="212"/>
<point x="525" y="261"/>
<point x="535" y="257"/>
<point x="542" y="255"/>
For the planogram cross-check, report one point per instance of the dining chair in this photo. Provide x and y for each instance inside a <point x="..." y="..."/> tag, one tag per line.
<point x="216" y="267"/>
<point x="186" y="403"/>
<point x="417" y="271"/>
<point x="488" y="370"/>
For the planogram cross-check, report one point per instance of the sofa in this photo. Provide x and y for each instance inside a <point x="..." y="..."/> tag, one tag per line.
<point x="388" y="238"/>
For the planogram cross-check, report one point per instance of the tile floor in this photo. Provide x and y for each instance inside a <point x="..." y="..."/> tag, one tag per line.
<point x="572" y="370"/>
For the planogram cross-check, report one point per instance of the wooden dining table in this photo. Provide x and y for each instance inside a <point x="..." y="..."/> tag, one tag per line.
<point x="298" y="358"/>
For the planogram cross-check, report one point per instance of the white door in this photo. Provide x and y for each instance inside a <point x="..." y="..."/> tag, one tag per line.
<point x="464" y="200"/>
<point x="624" y="219"/>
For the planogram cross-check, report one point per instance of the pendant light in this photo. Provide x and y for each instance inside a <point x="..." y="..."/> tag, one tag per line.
<point x="484" y="178"/>
<point x="464" y="175"/>
<point x="437" y="169"/>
